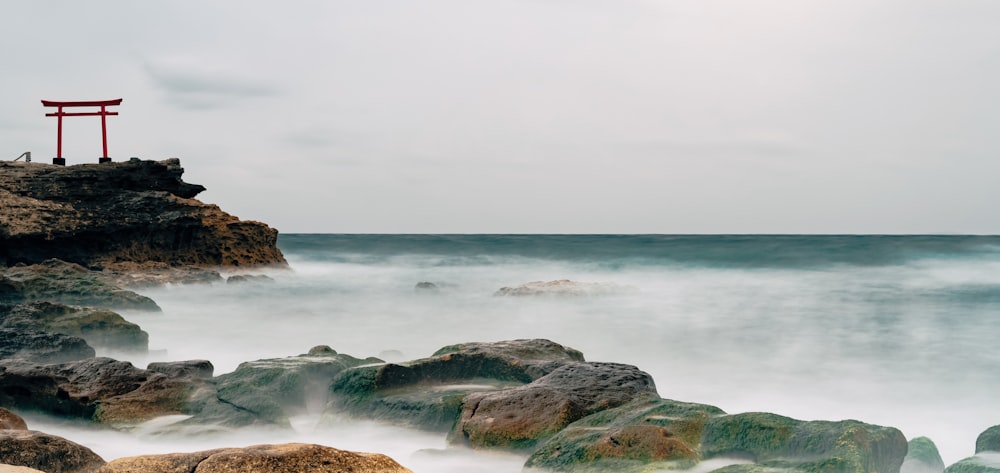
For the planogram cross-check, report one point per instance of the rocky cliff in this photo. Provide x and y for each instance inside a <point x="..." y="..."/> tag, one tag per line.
<point x="121" y="213"/>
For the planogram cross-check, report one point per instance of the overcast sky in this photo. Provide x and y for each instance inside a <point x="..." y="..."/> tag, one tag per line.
<point x="539" y="116"/>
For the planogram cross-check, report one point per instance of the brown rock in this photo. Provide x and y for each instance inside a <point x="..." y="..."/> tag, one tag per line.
<point x="293" y="457"/>
<point x="11" y="421"/>
<point x="98" y="389"/>
<point x="97" y="214"/>
<point x="46" y="452"/>
<point x="519" y="417"/>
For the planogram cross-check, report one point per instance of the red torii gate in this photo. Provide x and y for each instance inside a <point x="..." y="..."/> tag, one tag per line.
<point x="87" y="103"/>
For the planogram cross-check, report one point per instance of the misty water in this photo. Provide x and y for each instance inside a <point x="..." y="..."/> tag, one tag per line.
<point x="896" y="331"/>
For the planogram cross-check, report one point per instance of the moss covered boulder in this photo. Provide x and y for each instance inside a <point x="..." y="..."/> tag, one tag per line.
<point x="922" y="456"/>
<point x="989" y="440"/>
<point x="984" y="462"/>
<point x="775" y="441"/>
<point x="428" y="393"/>
<point x="101" y="328"/>
<point x="645" y="434"/>
<point x="270" y="391"/>
<point x="518" y="418"/>
<point x="72" y="284"/>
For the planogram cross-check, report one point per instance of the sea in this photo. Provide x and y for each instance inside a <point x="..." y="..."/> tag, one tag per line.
<point x="896" y="330"/>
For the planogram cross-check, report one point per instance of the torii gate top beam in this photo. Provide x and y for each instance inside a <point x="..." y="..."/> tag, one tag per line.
<point x="84" y="103"/>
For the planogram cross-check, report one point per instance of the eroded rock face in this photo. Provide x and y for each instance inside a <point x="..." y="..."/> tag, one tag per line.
<point x="101" y="328"/>
<point x="775" y="441"/>
<point x="11" y="421"/>
<point x="520" y="417"/>
<point x="45" y="452"/>
<point x="428" y="393"/>
<point x="69" y="283"/>
<point x="272" y="390"/>
<point x="285" y="458"/>
<point x="636" y="436"/>
<point x="99" y="389"/>
<point x="135" y="211"/>
<point x="27" y="345"/>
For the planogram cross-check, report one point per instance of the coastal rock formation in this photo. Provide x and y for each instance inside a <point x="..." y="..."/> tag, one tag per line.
<point x="98" y="389"/>
<point x="45" y="452"/>
<point x="563" y="287"/>
<point x="197" y="369"/>
<point x="636" y="436"/>
<point x="520" y="417"/>
<point x="27" y="345"/>
<point x="101" y="328"/>
<point x="285" y="458"/>
<point x="779" y="442"/>
<point x="11" y="421"/>
<point x="270" y="391"/>
<point x="922" y="457"/>
<point x="134" y="211"/>
<point x="989" y="440"/>
<point x="428" y="393"/>
<point x="983" y="462"/>
<point x="67" y="283"/>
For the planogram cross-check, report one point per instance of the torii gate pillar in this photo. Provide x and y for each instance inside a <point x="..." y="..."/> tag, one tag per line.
<point x="104" y="104"/>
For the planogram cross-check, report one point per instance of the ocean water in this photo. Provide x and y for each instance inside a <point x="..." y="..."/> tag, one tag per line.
<point x="892" y="330"/>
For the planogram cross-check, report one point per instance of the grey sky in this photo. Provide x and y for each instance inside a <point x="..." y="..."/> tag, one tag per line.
<point x="564" y="116"/>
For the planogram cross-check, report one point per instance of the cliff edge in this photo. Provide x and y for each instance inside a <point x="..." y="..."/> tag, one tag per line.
<point x="119" y="213"/>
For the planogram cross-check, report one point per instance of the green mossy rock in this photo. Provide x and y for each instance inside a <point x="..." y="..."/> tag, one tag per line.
<point x="648" y="434"/>
<point x="101" y="328"/>
<point x="818" y="446"/>
<point x="72" y="284"/>
<point x="270" y="391"/>
<point x="428" y="393"/>
<point x="922" y="456"/>
<point x="988" y="462"/>
<point x="989" y="440"/>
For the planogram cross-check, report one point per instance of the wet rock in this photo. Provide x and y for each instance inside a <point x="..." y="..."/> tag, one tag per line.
<point x="562" y="287"/>
<point x="428" y="393"/>
<point x="983" y="462"/>
<point x="11" y="421"/>
<point x="45" y="452"/>
<point x="646" y="434"/>
<point x="518" y="418"/>
<point x="270" y="391"/>
<point x="922" y="457"/>
<point x="135" y="211"/>
<point x="197" y="369"/>
<point x="989" y="440"/>
<point x="98" y="389"/>
<point x="426" y="287"/>
<point x="101" y="328"/>
<point x="130" y="274"/>
<point x="774" y="441"/>
<point x="42" y="347"/>
<point x="69" y="283"/>
<point x="285" y="458"/>
<point x="249" y="278"/>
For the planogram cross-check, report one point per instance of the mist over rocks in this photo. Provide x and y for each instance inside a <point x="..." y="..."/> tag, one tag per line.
<point x="133" y="211"/>
<point x="989" y="440"/>
<point x="102" y="329"/>
<point x="563" y="288"/>
<point x="68" y="283"/>
<point x="922" y="456"/>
